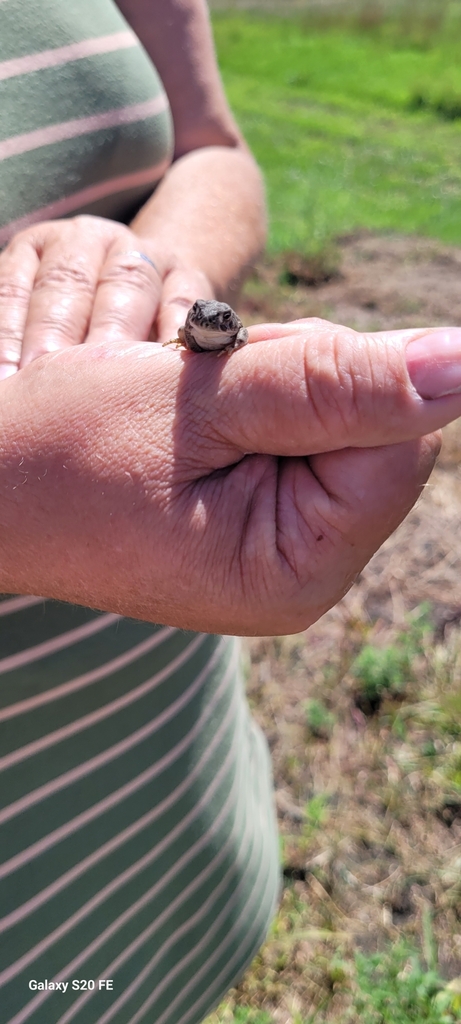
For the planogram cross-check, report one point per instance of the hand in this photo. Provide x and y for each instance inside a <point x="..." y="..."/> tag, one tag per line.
<point x="62" y="281"/>
<point x="237" y="495"/>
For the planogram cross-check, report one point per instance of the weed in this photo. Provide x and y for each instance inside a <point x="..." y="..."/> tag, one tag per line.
<point x="378" y="672"/>
<point x="245" y="1015"/>
<point x="395" y="988"/>
<point x="388" y="670"/>
<point x="225" y="1014"/>
<point x="316" y="814"/>
<point x="452" y="767"/>
<point x="319" y="720"/>
<point x="311" y="269"/>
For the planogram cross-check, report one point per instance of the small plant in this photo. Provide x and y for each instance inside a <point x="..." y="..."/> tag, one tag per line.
<point x="315" y="815"/>
<point x="244" y="1015"/>
<point x="395" y="988"/>
<point x="380" y="671"/>
<point x="227" y="1014"/>
<point x="447" y="106"/>
<point x="387" y="670"/>
<point x="452" y="767"/>
<point x="319" y="720"/>
<point x="310" y="269"/>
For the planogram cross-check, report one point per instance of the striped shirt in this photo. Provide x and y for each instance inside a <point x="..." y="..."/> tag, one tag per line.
<point x="138" y="848"/>
<point x="136" y="824"/>
<point x="84" y="120"/>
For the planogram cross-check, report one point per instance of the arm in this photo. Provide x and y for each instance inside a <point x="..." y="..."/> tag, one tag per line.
<point x="209" y="209"/>
<point x="177" y="36"/>
<point x="63" y="282"/>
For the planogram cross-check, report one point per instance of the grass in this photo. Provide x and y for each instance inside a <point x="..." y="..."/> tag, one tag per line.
<point x="352" y="128"/>
<point x="369" y="922"/>
<point x="397" y="988"/>
<point x="356" y="121"/>
<point x="386" y="671"/>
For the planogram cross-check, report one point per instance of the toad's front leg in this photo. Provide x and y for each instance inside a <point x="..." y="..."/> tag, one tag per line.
<point x="179" y="342"/>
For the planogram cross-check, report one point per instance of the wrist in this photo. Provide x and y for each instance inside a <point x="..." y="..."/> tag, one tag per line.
<point x="32" y="488"/>
<point x="208" y="211"/>
<point x="80" y="466"/>
<point x="50" y="518"/>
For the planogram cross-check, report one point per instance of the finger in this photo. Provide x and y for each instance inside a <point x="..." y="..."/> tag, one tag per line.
<point x="63" y="293"/>
<point x="127" y="296"/>
<point x="181" y="288"/>
<point x="274" y="331"/>
<point x="332" y="512"/>
<point x="18" y="266"/>
<point x="314" y="324"/>
<point x="327" y="388"/>
<point x="373" y="489"/>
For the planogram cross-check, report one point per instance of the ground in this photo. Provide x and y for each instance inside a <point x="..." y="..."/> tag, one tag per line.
<point x="367" y="753"/>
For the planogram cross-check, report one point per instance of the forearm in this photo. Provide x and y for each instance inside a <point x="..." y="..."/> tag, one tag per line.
<point x="209" y="214"/>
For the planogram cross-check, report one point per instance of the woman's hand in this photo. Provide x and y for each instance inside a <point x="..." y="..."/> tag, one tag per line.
<point x="236" y="495"/>
<point x="63" y="280"/>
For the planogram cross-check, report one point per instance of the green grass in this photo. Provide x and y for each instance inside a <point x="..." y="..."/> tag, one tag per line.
<point x="388" y="670"/>
<point x="353" y="129"/>
<point x="395" y="988"/>
<point x="358" y="127"/>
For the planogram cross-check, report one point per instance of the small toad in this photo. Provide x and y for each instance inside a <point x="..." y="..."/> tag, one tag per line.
<point x="211" y="327"/>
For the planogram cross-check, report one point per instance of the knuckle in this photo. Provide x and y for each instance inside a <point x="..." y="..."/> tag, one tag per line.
<point x="335" y="397"/>
<point x="56" y="328"/>
<point x="14" y="291"/>
<point x="19" y="240"/>
<point x="10" y="347"/>
<point x="32" y="238"/>
<point x="90" y="223"/>
<point x="11" y="338"/>
<point x="10" y="334"/>
<point x="65" y="275"/>
<point x="133" y="275"/>
<point x="115" y="320"/>
<point x="48" y="346"/>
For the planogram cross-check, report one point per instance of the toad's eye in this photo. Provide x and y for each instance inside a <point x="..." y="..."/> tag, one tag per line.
<point x="227" y="315"/>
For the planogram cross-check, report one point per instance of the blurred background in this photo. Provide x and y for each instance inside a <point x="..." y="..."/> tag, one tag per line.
<point x="353" y="109"/>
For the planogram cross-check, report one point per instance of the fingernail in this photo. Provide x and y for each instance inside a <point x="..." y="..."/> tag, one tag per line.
<point x="434" y="363"/>
<point x="7" y="370"/>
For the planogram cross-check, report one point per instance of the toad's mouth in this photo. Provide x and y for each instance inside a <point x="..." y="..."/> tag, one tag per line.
<point x="211" y="338"/>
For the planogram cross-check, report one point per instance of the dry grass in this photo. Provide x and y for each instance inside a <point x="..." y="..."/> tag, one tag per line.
<point x="370" y="807"/>
<point x="367" y="14"/>
<point x="368" y="793"/>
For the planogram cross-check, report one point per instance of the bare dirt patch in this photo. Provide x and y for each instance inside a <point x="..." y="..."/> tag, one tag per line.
<point x="370" y="282"/>
<point x="369" y="802"/>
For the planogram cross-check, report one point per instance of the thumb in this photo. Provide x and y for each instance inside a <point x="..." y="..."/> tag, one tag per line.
<point x="312" y="386"/>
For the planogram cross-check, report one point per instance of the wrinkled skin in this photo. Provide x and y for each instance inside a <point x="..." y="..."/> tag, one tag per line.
<point x="240" y="495"/>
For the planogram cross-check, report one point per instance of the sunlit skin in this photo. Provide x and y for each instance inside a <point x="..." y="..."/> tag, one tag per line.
<point x="68" y="281"/>
<point x="236" y="495"/>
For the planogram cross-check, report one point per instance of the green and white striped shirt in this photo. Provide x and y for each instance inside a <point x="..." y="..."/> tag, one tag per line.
<point x="136" y="824"/>
<point x="84" y="120"/>
<point x="138" y="848"/>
